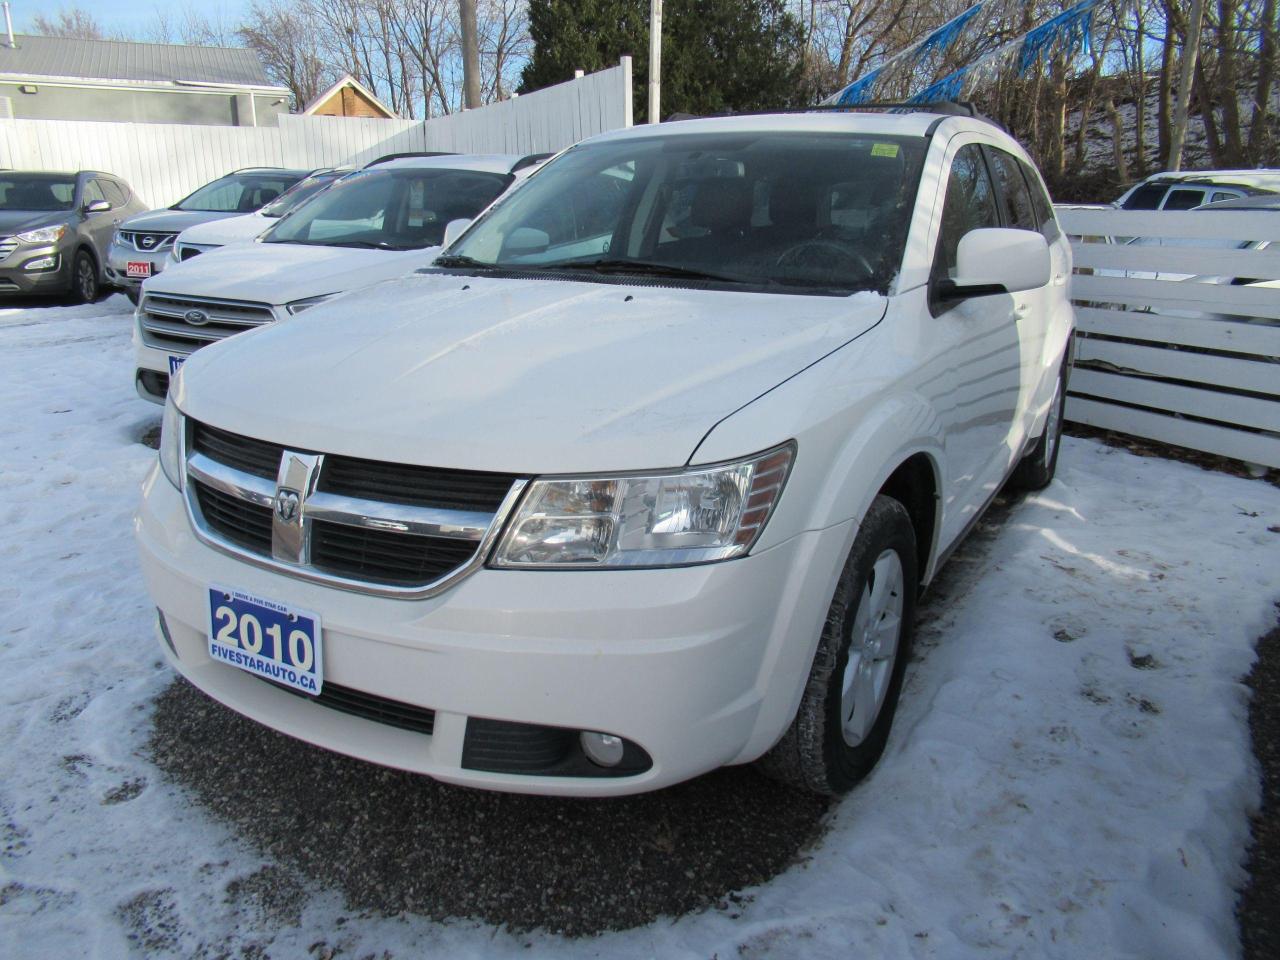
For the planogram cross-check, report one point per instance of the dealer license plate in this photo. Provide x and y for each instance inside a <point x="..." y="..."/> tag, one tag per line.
<point x="266" y="638"/>
<point x="138" y="268"/>
<point x="175" y="363"/>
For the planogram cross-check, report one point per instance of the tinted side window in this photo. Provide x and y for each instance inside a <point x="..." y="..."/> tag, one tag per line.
<point x="114" y="192"/>
<point x="1146" y="197"/>
<point x="1045" y="219"/>
<point x="970" y="205"/>
<point x="1183" y="199"/>
<point x="1013" y="190"/>
<point x="93" y="192"/>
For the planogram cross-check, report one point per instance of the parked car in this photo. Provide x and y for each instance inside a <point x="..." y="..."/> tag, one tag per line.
<point x="204" y="237"/>
<point x="381" y="222"/>
<point x="1185" y="190"/>
<point x="55" y="229"/>
<point x="643" y="477"/>
<point x="140" y="246"/>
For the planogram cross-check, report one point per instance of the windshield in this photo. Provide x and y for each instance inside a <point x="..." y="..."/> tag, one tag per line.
<point x="238" y="193"/>
<point x="299" y="194"/>
<point x="805" y="212"/>
<point x="403" y="209"/>
<point x="36" y="192"/>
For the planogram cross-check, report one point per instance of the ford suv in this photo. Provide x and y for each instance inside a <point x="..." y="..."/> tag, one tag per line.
<point x="642" y="477"/>
<point x="382" y="222"/>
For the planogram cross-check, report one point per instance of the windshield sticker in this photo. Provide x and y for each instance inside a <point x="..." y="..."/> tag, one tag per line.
<point x="884" y="150"/>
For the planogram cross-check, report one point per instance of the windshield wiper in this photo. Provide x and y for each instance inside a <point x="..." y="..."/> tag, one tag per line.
<point x="646" y="268"/>
<point x="460" y="260"/>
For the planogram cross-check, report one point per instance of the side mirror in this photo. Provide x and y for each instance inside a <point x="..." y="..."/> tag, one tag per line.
<point x="97" y="206"/>
<point x="996" y="260"/>
<point x="526" y="240"/>
<point x="454" y="229"/>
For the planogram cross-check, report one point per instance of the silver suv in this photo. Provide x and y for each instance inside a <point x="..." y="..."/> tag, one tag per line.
<point x="141" y="245"/>
<point x="55" y="228"/>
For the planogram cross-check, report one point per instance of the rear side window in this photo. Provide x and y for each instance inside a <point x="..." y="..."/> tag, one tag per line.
<point x="1183" y="199"/>
<point x="1146" y="197"/>
<point x="1045" y="219"/>
<point x="970" y="205"/>
<point x="1224" y="195"/>
<point x="1013" y="191"/>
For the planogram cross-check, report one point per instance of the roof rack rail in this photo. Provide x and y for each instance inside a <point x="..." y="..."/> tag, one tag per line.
<point x="387" y="158"/>
<point x="954" y="108"/>
<point x="258" y="166"/>
<point x="529" y="160"/>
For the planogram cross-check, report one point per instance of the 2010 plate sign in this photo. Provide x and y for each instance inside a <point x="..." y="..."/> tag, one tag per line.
<point x="266" y="638"/>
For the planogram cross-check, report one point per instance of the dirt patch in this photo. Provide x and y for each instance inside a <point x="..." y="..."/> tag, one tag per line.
<point x="1259" y="919"/>
<point x="394" y="841"/>
<point x="1167" y="451"/>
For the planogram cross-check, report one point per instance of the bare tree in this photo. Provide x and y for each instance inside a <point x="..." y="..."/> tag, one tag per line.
<point x="286" y="44"/>
<point x="68" y="22"/>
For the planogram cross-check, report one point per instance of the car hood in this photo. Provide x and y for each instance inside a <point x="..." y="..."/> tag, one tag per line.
<point x="230" y="230"/>
<point x="20" y="221"/>
<point x="516" y="375"/>
<point x="279" y="273"/>
<point x="172" y="221"/>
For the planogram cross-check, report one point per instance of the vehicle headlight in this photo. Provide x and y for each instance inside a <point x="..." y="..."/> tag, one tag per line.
<point x="694" y="515"/>
<point x="170" y="446"/>
<point x="299" y="305"/>
<point x="44" y="235"/>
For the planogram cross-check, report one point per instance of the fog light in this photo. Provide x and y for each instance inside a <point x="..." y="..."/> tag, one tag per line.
<point x="602" y="749"/>
<point x="41" y="263"/>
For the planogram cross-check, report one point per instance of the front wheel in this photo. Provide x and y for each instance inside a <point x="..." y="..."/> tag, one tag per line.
<point x="843" y="721"/>
<point x="84" y="278"/>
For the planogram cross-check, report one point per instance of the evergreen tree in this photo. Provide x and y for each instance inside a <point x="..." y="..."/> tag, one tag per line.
<point x="717" y="55"/>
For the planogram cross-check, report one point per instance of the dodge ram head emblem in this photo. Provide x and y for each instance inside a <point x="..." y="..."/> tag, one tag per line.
<point x="197" y="318"/>
<point x="287" y="504"/>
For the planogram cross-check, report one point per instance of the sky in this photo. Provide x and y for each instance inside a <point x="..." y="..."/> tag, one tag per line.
<point x="137" y="18"/>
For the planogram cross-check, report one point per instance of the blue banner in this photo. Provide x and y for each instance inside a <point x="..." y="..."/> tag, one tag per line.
<point x="1070" y="29"/>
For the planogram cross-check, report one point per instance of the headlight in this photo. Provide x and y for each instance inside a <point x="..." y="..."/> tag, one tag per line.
<point x="43" y="235"/>
<point x="299" y="305"/>
<point x="170" y="447"/>
<point x="652" y="520"/>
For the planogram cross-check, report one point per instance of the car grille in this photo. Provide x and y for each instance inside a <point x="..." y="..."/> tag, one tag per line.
<point x="393" y="713"/>
<point x="244" y="524"/>
<point x="188" y="250"/>
<point x="145" y="241"/>
<point x="187" y="323"/>
<point x="7" y="246"/>
<point x="387" y="525"/>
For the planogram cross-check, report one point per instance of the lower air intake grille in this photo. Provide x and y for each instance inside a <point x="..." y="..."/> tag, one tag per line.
<point x="239" y="521"/>
<point x="393" y="713"/>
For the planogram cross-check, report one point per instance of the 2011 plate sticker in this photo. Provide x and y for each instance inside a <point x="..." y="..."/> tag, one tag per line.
<point x="266" y="638"/>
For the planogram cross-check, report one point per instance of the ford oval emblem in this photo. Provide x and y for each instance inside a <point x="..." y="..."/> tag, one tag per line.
<point x="197" y="318"/>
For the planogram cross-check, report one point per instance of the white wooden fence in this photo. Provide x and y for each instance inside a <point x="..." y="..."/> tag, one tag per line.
<point x="1162" y="353"/>
<point x="165" y="162"/>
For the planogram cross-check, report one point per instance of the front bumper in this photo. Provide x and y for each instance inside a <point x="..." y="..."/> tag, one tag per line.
<point x="700" y="666"/>
<point x="120" y="255"/>
<point x="15" y="281"/>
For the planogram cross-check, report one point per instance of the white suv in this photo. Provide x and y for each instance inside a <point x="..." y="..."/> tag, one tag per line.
<point x="643" y="477"/>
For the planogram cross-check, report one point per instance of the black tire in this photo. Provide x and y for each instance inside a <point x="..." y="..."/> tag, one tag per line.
<point x="816" y="754"/>
<point x="1036" y="469"/>
<point x="84" y="278"/>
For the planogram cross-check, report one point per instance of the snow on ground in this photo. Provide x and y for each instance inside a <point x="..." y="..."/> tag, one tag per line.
<point x="1069" y="776"/>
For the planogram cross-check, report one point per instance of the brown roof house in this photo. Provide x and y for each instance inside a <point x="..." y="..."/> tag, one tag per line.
<point x="349" y="98"/>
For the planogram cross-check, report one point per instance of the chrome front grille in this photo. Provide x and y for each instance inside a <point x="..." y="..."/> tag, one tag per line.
<point x="7" y="246"/>
<point x="146" y="241"/>
<point x="394" y="529"/>
<point x="184" y="324"/>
